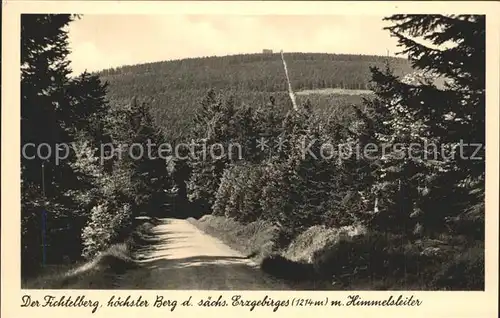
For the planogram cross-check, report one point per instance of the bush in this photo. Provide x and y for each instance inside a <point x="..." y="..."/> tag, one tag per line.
<point x="105" y="227"/>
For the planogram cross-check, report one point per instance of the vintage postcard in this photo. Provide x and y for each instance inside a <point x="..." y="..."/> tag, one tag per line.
<point x="250" y="158"/>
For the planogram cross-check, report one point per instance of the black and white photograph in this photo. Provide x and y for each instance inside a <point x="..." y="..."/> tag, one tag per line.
<point x="272" y="152"/>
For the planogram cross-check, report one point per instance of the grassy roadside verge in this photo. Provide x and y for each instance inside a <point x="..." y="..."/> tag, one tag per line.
<point x="254" y="239"/>
<point x="100" y="272"/>
<point x="353" y="258"/>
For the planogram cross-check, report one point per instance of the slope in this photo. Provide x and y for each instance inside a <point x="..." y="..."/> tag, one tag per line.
<point x="174" y="88"/>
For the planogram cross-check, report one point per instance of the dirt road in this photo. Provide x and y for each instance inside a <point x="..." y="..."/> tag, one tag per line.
<point x="183" y="257"/>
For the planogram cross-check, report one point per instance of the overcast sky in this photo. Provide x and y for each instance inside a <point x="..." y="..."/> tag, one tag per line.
<point x="104" y="41"/>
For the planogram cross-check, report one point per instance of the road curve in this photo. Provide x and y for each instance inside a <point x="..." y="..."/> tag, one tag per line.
<point x="183" y="257"/>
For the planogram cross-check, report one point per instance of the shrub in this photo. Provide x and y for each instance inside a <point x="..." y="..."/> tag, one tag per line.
<point x="104" y="228"/>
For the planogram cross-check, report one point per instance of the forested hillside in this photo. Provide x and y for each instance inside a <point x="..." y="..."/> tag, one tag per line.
<point x="392" y="169"/>
<point x="420" y="209"/>
<point x="174" y="88"/>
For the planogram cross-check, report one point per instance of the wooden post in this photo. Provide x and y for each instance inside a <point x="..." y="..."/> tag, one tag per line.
<point x="44" y="218"/>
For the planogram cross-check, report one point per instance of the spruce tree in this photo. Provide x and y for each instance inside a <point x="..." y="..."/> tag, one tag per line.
<point x="44" y="76"/>
<point x="453" y="48"/>
<point x="214" y="124"/>
<point x="57" y="109"/>
<point x="88" y="107"/>
<point x="133" y="129"/>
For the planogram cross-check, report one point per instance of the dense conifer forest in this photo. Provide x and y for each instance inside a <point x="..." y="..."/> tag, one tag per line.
<point x="423" y="216"/>
<point x="174" y="88"/>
